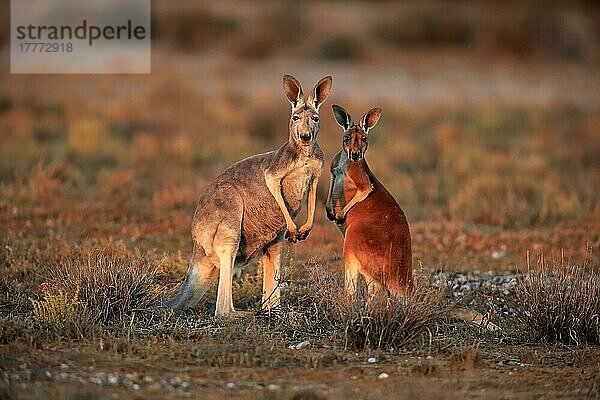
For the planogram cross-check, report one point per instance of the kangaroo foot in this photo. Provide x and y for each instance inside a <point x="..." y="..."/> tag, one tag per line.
<point x="234" y="314"/>
<point x="303" y="233"/>
<point x="291" y="235"/>
<point x="270" y="312"/>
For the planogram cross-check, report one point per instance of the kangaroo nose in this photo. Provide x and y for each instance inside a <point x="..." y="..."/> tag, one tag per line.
<point x="305" y="137"/>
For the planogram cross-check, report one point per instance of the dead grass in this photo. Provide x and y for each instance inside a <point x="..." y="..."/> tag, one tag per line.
<point x="561" y="302"/>
<point x="109" y="286"/>
<point x="386" y="323"/>
<point x="56" y="307"/>
<point x="381" y="322"/>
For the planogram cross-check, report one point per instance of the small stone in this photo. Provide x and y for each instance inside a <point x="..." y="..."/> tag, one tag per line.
<point x="383" y="375"/>
<point x="230" y="385"/>
<point x="98" y="379"/>
<point x="113" y="379"/>
<point x="273" y="387"/>
<point x="63" y="376"/>
<point x="135" y="386"/>
<point x="300" y="345"/>
<point x="175" y="382"/>
<point x="148" y="379"/>
<point x="372" y="360"/>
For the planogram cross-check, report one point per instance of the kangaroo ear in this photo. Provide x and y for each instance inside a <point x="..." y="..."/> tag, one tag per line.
<point x="370" y="119"/>
<point x="292" y="89"/>
<point x="342" y="117"/>
<point x="321" y="91"/>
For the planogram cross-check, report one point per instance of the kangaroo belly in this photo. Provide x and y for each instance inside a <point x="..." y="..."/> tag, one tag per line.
<point x="294" y="187"/>
<point x="262" y="220"/>
<point x="378" y="236"/>
<point x="383" y="256"/>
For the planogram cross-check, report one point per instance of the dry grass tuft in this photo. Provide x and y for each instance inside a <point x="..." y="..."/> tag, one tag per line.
<point x="467" y="358"/>
<point x="561" y="303"/>
<point x="108" y="285"/>
<point x="175" y="196"/>
<point x="389" y="323"/>
<point x="86" y="135"/>
<point x="379" y="322"/>
<point x="56" y="308"/>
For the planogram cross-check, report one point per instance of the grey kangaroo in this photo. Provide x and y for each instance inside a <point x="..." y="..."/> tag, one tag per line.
<point x="250" y="207"/>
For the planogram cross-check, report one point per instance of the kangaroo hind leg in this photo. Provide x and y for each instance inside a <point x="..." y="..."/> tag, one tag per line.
<point x="225" y="246"/>
<point x="271" y="263"/>
<point x="351" y="273"/>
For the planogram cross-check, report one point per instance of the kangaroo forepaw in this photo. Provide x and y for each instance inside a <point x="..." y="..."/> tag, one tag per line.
<point x="303" y="233"/>
<point x="340" y="219"/>
<point x="330" y="214"/>
<point x="291" y="235"/>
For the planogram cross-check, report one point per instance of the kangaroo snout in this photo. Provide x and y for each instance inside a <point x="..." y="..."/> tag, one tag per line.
<point x="305" y="137"/>
<point x="356" y="155"/>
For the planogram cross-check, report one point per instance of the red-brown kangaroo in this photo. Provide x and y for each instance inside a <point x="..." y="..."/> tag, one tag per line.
<point x="376" y="233"/>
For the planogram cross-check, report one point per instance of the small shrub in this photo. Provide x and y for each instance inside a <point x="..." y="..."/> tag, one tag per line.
<point x="147" y="147"/>
<point x="179" y="149"/>
<point x="378" y="322"/>
<point x="85" y="136"/>
<point x="56" y="307"/>
<point x="117" y="188"/>
<point x="247" y="292"/>
<point x="467" y="358"/>
<point x="387" y="322"/>
<point x="558" y="202"/>
<point x="108" y="285"/>
<point x="175" y="196"/>
<point x="490" y="199"/>
<point x="561" y="304"/>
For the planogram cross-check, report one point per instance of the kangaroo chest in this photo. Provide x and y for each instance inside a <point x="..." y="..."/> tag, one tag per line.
<point x="356" y="179"/>
<point x="296" y="183"/>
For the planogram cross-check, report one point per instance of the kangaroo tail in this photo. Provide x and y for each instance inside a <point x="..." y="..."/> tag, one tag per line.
<point x="473" y="318"/>
<point x="197" y="281"/>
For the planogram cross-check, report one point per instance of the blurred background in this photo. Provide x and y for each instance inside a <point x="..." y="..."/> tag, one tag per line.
<point x="491" y="118"/>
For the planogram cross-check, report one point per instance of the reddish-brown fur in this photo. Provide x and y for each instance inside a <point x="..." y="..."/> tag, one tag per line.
<point x="376" y="232"/>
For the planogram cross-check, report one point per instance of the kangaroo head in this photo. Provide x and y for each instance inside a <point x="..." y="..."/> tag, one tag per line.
<point x="304" y="121"/>
<point x="355" y="142"/>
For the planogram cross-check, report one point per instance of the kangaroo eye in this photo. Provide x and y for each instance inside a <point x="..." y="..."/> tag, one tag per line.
<point x="316" y="118"/>
<point x="346" y="139"/>
<point x="295" y="118"/>
<point x="364" y="140"/>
